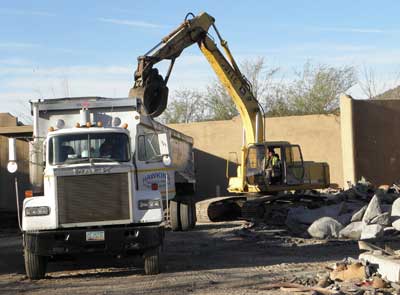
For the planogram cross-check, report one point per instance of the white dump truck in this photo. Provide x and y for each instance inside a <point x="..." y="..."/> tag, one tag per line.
<point x="103" y="174"/>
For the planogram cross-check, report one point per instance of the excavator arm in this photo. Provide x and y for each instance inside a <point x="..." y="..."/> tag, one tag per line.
<point x="152" y="88"/>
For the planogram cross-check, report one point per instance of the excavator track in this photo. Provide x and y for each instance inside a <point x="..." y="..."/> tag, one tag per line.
<point x="220" y="209"/>
<point x="233" y="208"/>
<point x="255" y="208"/>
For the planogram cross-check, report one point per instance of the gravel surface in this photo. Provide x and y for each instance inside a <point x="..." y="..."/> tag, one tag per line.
<point x="215" y="258"/>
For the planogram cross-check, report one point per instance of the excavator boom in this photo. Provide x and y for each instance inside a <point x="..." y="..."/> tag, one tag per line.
<point x="151" y="86"/>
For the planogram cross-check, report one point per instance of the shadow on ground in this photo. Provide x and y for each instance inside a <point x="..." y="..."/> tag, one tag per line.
<point x="207" y="247"/>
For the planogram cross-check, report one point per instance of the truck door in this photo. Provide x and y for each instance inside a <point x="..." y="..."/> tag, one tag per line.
<point x="294" y="166"/>
<point x="152" y="174"/>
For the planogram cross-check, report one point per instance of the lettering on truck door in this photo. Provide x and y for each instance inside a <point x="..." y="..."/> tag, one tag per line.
<point x="152" y="174"/>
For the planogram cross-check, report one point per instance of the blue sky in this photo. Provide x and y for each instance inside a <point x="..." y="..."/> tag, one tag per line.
<point x="75" y="48"/>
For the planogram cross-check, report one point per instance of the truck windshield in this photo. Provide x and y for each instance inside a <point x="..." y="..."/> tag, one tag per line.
<point x="74" y="148"/>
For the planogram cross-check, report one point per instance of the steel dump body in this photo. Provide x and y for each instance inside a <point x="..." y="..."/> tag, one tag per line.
<point x="181" y="149"/>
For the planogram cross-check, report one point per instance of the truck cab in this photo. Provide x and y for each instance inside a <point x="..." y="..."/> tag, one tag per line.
<point x="85" y="193"/>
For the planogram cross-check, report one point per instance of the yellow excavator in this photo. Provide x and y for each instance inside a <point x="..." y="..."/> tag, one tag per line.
<point x="256" y="178"/>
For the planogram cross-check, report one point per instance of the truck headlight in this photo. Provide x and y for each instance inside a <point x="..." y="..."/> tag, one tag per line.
<point x="149" y="204"/>
<point x="37" y="211"/>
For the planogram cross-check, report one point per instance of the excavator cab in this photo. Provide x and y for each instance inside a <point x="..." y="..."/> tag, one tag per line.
<point x="274" y="165"/>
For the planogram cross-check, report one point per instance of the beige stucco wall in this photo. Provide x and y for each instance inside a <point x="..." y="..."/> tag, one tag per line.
<point x="376" y="125"/>
<point x="318" y="135"/>
<point x="347" y="135"/>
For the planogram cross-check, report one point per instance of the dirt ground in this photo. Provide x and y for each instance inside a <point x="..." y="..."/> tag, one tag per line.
<point x="215" y="258"/>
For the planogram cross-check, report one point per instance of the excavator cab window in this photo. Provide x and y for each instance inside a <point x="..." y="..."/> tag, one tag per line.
<point x="255" y="164"/>
<point x="273" y="165"/>
<point x="294" y="165"/>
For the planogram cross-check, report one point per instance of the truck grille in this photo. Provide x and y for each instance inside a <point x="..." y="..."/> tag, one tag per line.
<point x="93" y="198"/>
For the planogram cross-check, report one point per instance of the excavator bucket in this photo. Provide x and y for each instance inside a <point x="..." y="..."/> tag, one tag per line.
<point x="154" y="94"/>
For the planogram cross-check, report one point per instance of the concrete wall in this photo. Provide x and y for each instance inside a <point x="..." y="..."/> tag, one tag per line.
<point x="375" y="138"/>
<point x="318" y="135"/>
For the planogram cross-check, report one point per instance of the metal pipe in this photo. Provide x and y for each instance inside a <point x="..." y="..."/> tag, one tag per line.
<point x="35" y="154"/>
<point x="12" y="153"/>
<point x="17" y="200"/>
<point x="166" y="196"/>
<point x="152" y="49"/>
<point x="171" y="65"/>
<point x="35" y="113"/>
<point x="84" y="115"/>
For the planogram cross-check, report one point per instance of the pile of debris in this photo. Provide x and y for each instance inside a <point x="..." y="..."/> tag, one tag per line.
<point x="377" y="271"/>
<point x="359" y="213"/>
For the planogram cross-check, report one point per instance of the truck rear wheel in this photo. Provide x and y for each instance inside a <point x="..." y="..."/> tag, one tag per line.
<point x="193" y="214"/>
<point x="152" y="261"/>
<point x="174" y="215"/>
<point x="185" y="216"/>
<point x="35" y="265"/>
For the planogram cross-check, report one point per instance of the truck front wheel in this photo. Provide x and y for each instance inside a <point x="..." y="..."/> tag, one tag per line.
<point x="35" y="265"/>
<point x="152" y="261"/>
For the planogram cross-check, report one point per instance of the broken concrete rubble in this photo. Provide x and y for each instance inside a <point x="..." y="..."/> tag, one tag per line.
<point x="371" y="231"/>
<point x="382" y="219"/>
<point x="362" y="211"/>
<point x="395" y="213"/>
<point x="396" y="224"/>
<point x="325" y="228"/>
<point x="373" y="210"/>
<point x="350" y="276"/>
<point x="377" y="271"/>
<point x="387" y="266"/>
<point x="352" y="231"/>
<point x="359" y="214"/>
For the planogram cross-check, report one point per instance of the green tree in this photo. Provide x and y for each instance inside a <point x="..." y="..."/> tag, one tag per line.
<point x="186" y="106"/>
<point x="219" y="103"/>
<point x="262" y="80"/>
<point x="260" y="77"/>
<point x="316" y="89"/>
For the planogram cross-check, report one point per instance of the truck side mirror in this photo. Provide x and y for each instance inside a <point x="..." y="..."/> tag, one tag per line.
<point x="12" y="166"/>
<point x="164" y="148"/>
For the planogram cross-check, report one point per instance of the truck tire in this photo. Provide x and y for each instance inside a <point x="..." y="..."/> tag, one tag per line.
<point x="185" y="216"/>
<point x="152" y="261"/>
<point x="174" y="215"/>
<point x="35" y="265"/>
<point x="193" y="214"/>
